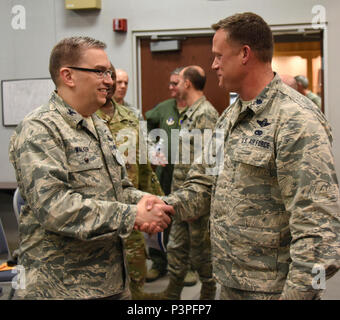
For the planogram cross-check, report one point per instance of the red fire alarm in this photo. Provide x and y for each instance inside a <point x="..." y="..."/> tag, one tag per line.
<point x="120" y="25"/>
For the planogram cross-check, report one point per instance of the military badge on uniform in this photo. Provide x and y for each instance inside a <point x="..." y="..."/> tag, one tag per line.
<point x="263" y="123"/>
<point x="170" y="121"/>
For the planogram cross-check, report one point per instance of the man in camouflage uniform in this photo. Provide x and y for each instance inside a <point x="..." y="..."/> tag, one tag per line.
<point x="302" y="86"/>
<point x="70" y="175"/>
<point x="124" y="127"/>
<point x="194" y="235"/>
<point x="166" y="116"/>
<point x="275" y="210"/>
<point x="122" y="83"/>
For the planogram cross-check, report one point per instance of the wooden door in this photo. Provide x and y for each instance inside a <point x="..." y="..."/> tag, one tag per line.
<point x="307" y="46"/>
<point x="157" y="66"/>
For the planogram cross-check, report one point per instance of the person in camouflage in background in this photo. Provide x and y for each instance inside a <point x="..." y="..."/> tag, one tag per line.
<point x="121" y="119"/>
<point x="274" y="201"/>
<point x="79" y="202"/>
<point x="193" y="236"/>
<point x="165" y="115"/>
<point x="302" y="86"/>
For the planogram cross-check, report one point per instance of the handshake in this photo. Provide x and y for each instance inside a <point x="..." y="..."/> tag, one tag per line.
<point x="153" y="214"/>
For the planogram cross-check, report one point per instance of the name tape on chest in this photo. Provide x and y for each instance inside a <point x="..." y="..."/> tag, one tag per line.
<point x="256" y="142"/>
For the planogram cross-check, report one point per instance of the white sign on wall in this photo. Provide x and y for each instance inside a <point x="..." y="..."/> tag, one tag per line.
<point x="19" y="97"/>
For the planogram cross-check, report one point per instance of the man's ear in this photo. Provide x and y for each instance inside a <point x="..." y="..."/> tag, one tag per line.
<point x="246" y="52"/>
<point x="66" y="77"/>
<point x="187" y="83"/>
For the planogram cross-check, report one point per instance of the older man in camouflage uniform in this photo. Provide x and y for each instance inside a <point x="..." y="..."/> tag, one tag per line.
<point x="124" y="127"/>
<point x="70" y="175"/>
<point x="302" y="86"/>
<point x="194" y="235"/>
<point x="275" y="210"/>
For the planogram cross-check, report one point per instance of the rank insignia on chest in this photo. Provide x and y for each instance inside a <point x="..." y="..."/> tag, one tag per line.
<point x="263" y="123"/>
<point x="170" y="121"/>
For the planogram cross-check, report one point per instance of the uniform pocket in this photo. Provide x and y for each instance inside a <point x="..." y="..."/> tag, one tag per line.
<point x="85" y="171"/>
<point x="252" y="157"/>
<point x="254" y="252"/>
<point x="252" y="167"/>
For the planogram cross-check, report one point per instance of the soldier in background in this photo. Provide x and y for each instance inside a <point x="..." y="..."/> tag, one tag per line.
<point x="121" y="120"/>
<point x="122" y="84"/>
<point x="302" y="87"/>
<point x="164" y="115"/>
<point x="275" y="209"/>
<point x="191" y="237"/>
<point x="78" y="199"/>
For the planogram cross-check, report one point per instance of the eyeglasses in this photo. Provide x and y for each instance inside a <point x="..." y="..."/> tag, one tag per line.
<point x="100" y="73"/>
<point x="174" y="84"/>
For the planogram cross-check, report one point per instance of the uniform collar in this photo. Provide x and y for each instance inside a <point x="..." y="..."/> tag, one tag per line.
<point x="191" y="110"/>
<point x="103" y="115"/>
<point x="239" y="111"/>
<point x="258" y="104"/>
<point x="71" y="116"/>
<point x="174" y="107"/>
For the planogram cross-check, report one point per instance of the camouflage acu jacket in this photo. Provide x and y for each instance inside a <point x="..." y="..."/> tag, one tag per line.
<point x="76" y="215"/>
<point x="194" y="121"/>
<point x="124" y="127"/>
<point x="275" y="210"/>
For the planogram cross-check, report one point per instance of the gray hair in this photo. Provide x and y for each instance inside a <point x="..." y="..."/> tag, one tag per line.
<point x="177" y="71"/>
<point x="302" y="80"/>
<point x="69" y="51"/>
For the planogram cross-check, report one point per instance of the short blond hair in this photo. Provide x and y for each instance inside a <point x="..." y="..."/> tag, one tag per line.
<point x="249" y="29"/>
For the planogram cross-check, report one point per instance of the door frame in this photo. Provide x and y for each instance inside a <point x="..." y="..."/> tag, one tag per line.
<point x="136" y="52"/>
<point x="137" y="35"/>
<point x="308" y="27"/>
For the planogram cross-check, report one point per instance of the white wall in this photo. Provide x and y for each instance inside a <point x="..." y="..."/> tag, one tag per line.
<point x="48" y="22"/>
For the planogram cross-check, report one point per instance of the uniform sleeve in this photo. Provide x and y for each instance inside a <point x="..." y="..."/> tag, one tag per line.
<point x="39" y="159"/>
<point x="130" y="193"/>
<point x="193" y="198"/>
<point x="309" y="187"/>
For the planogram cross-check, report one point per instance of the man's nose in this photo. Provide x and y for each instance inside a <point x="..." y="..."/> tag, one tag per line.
<point x="214" y="65"/>
<point x="108" y="80"/>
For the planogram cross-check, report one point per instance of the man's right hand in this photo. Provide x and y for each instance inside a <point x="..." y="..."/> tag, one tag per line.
<point x="152" y="218"/>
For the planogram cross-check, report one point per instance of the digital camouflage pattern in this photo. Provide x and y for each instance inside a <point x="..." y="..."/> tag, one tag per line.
<point x="197" y="118"/>
<point x="75" y="217"/>
<point x="193" y="237"/>
<point x="228" y="293"/>
<point x="142" y="177"/>
<point x="135" y="110"/>
<point x="314" y="97"/>
<point x="275" y="209"/>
